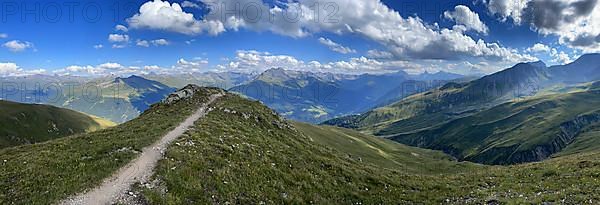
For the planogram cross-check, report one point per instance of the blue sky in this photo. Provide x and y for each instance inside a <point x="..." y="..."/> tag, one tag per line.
<point x="359" y="36"/>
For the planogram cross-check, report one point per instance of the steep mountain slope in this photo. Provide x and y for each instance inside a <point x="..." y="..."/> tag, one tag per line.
<point x="30" y="123"/>
<point x="242" y="152"/>
<point x="515" y="132"/>
<point x="584" y="69"/>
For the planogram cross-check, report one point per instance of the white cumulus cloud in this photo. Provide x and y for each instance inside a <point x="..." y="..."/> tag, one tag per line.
<point x="555" y="56"/>
<point x="12" y="69"/>
<point x="121" y="28"/>
<point x="118" y="38"/>
<point x="8" y="68"/>
<point x="250" y="61"/>
<point x="335" y="46"/>
<point x="190" y="66"/>
<point x="507" y="9"/>
<point x="463" y="15"/>
<point x="160" y="42"/>
<point x="378" y="54"/>
<point x="538" y="47"/>
<point x="189" y="4"/>
<point x="142" y="43"/>
<point x="162" y="15"/>
<point x="157" y="42"/>
<point x="17" y="46"/>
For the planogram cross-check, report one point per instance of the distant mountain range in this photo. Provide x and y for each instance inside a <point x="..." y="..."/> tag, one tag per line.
<point x="512" y="116"/>
<point x="304" y="96"/>
<point x="315" y="97"/>
<point x="441" y="75"/>
<point x="223" y="80"/>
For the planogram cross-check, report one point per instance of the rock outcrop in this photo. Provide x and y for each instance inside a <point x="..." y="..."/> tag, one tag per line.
<point x="568" y="132"/>
<point x="186" y="92"/>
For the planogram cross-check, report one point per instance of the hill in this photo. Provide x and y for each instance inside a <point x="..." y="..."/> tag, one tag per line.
<point x="29" y="123"/>
<point x="243" y="152"/>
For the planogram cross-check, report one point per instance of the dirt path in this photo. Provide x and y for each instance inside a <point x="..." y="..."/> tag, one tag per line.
<point x="138" y="170"/>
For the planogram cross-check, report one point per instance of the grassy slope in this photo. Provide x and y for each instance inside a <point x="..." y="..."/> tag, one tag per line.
<point x="47" y="172"/>
<point x="379" y="151"/>
<point x="428" y="109"/>
<point x="31" y="123"/>
<point x="230" y="158"/>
